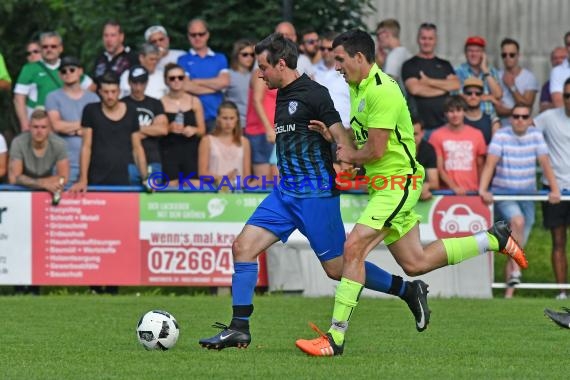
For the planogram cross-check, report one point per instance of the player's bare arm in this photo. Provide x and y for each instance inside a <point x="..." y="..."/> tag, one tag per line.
<point x="372" y="150"/>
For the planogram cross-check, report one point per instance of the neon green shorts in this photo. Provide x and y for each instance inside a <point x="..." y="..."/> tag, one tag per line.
<point x="392" y="207"/>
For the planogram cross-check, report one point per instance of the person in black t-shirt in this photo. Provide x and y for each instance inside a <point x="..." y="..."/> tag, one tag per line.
<point x="425" y="154"/>
<point x="429" y="79"/>
<point x="152" y="123"/>
<point x="116" y="57"/>
<point x="107" y="146"/>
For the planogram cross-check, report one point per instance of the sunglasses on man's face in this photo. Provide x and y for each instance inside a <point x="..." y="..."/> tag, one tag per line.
<point x="30" y="52"/>
<point x="176" y="77"/>
<point x="200" y="34"/>
<point x="66" y="70"/>
<point x="519" y="116"/>
<point x="323" y="48"/>
<point x="49" y="47"/>
<point x="471" y="93"/>
<point x="510" y="55"/>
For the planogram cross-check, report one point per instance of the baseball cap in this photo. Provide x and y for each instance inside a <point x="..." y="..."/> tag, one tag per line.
<point x="154" y="29"/>
<point x="138" y="74"/>
<point x="473" y="82"/>
<point x="475" y="40"/>
<point x="69" y="61"/>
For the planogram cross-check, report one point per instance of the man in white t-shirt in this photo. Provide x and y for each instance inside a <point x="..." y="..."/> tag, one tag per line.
<point x="158" y="36"/>
<point x="388" y="40"/>
<point x="326" y="75"/>
<point x="555" y="125"/>
<point x="148" y="58"/>
<point x="558" y="76"/>
<point x="519" y="85"/>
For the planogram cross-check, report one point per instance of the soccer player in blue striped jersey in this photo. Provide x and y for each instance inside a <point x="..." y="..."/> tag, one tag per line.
<point x="305" y="198"/>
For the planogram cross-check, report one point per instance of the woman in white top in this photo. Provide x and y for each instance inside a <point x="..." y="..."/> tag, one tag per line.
<point x="225" y="154"/>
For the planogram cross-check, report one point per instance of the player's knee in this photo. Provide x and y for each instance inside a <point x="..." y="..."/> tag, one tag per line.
<point x="413" y="269"/>
<point x="333" y="273"/>
<point x="239" y="249"/>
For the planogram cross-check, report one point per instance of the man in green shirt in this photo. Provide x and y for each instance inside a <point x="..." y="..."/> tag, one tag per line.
<point x="385" y="145"/>
<point x="43" y="76"/>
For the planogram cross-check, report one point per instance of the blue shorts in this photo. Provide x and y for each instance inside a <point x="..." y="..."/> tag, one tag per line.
<point x="510" y="209"/>
<point x="317" y="218"/>
<point x="261" y="149"/>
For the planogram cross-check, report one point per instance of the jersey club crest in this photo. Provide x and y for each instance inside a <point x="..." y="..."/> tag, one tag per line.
<point x="292" y="107"/>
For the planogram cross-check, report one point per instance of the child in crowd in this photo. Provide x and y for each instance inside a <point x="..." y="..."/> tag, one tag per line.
<point x="225" y="154"/>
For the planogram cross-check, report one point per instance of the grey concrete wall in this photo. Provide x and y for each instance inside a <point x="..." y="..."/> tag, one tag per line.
<point x="538" y="26"/>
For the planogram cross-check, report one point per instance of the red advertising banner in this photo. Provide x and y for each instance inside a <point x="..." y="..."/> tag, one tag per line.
<point x="86" y="240"/>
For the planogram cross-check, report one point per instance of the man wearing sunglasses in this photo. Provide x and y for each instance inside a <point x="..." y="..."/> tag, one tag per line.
<point x="555" y="125"/>
<point x="519" y="85"/>
<point x="38" y="79"/>
<point x="512" y="156"/>
<point x="64" y="107"/>
<point x="158" y="36"/>
<point x="472" y="94"/>
<point x="208" y="71"/>
<point x="310" y="45"/>
<point x="326" y="75"/>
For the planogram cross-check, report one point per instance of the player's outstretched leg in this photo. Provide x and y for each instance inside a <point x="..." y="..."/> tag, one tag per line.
<point x="233" y="335"/>
<point x="507" y="243"/>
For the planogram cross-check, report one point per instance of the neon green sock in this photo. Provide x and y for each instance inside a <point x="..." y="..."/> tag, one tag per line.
<point x="493" y="242"/>
<point x="461" y="249"/>
<point x="346" y="299"/>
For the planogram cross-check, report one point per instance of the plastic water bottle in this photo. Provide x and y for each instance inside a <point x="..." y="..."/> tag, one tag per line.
<point x="147" y="186"/>
<point x="179" y="118"/>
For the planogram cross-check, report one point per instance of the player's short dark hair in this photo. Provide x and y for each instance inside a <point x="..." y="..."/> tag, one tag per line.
<point x="278" y="47"/>
<point x="454" y="102"/>
<point x="109" y="77"/>
<point x="510" y="41"/>
<point x="355" y="41"/>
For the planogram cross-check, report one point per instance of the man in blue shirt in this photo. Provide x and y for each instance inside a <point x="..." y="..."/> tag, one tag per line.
<point x="207" y="71"/>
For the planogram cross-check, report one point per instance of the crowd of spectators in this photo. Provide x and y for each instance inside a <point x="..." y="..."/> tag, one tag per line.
<point x="189" y="113"/>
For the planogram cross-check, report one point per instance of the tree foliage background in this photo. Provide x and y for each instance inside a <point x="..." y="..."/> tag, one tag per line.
<point x="79" y="22"/>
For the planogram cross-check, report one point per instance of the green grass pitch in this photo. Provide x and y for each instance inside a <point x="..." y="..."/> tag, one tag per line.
<point x="93" y="337"/>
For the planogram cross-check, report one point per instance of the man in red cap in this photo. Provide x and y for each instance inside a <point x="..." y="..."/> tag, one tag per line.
<point x="477" y="66"/>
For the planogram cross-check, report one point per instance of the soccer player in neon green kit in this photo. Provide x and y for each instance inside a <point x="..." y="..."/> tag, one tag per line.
<point x="384" y="136"/>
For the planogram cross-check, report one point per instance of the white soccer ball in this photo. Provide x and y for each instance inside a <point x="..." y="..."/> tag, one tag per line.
<point x="158" y="330"/>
